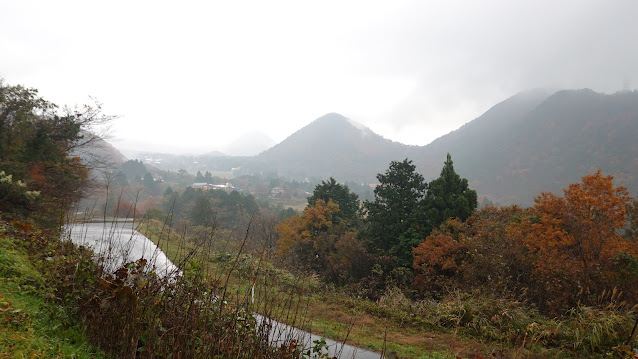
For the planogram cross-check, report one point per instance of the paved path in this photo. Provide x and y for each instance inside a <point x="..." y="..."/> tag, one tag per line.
<point x="119" y="243"/>
<point x="280" y="333"/>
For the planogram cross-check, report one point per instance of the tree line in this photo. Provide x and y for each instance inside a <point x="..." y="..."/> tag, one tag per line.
<point x="41" y="173"/>
<point x="425" y="238"/>
<point x="428" y="239"/>
<point x="128" y="312"/>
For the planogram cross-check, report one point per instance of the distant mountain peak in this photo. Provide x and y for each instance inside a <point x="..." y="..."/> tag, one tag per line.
<point x="336" y="146"/>
<point x="365" y="131"/>
<point x="330" y="116"/>
<point x="250" y="143"/>
<point x="336" y="120"/>
<point x="330" y="119"/>
<point x="542" y="141"/>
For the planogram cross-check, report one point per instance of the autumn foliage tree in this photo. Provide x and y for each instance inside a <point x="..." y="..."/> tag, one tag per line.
<point x="347" y="201"/>
<point x="576" y="242"/>
<point x="298" y="234"/>
<point x="438" y="261"/>
<point x="37" y="140"/>
<point x="475" y="254"/>
<point x="562" y="252"/>
<point x="318" y="241"/>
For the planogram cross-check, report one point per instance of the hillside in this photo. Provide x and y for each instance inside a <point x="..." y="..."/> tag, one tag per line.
<point x="249" y="144"/>
<point x="333" y="145"/>
<point x="531" y="142"/>
<point x="100" y="154"/>
<point x="481" y="137"/>
<point x="535" y="142"/>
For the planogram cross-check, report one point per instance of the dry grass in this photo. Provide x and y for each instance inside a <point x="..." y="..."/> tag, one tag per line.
<point x="461" y="326"/>
<point x="318" y="309"/>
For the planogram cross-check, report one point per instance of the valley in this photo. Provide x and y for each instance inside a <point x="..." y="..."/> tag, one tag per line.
<point x="343" y="234"/>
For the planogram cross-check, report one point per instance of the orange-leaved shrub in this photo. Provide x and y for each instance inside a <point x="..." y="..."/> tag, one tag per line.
<point x="576" y="243"/>
<point x="561" y="253"/>
<point x="320" y="241"/>
<point x="473" y="254"/>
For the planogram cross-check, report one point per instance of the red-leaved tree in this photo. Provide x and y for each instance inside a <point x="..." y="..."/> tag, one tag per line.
<point x="577" y="243"/>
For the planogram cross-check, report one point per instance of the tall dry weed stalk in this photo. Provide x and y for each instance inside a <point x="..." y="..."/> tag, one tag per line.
<point x="132" y="312"/>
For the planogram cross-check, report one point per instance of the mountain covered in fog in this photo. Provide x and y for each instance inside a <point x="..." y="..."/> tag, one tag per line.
<point x="333" y="145"/>
<point x="533" y="141"/>
<point x="99" y="153"/>
<point x="537" y="141"/>
<point x="249" y="144"/>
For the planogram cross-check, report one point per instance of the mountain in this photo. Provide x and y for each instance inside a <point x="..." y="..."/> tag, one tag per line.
<point x="538" y="141"/>
<point x="249" y="144"/>
<point x="531" y="142"/>
<point x="214" y="154"/>
<point x="99" y="154"/>
<point x="333" y="145"/>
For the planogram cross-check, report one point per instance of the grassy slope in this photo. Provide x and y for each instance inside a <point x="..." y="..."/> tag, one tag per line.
<point x="307" y="304"/>
<point x="30" y="327"/>
<point x="463" y="326"/>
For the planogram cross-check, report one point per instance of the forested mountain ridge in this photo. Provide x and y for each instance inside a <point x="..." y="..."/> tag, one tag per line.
<point x="101" y="154"/>
<point x="531" y="142"/>
<point x="511" y="156"/>
<point x="333" y="145"/>
<point x="480" y="136"/>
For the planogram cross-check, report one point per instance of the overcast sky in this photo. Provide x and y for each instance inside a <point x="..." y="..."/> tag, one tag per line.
<point x="192" y="76"/>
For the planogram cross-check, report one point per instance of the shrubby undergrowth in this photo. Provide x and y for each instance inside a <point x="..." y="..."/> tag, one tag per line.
<point x="133" y="313"/>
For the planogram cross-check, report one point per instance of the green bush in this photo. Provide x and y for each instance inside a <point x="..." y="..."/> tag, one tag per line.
<point x="16" y="267"/>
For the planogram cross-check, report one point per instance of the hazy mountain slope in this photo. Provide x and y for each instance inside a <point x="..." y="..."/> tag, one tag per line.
<point x="574" y="133"/>
<point x="100" y="154"/>
<point x="249" y="144"/>
<point x="477" y="146"/>
<point x="532" y="143"/>
<point x="480" y="138"/>
<point x="333" y="145"/>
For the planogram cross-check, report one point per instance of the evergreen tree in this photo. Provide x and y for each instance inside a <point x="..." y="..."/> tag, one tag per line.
<point x="339" y="194"/>
<point x="199" y="178"/>
<point x="448" y="196"/>
<point x="396" y="221"/>
<point x="133" y="169"/>
<point x="169" y="200"/>
<point x="120" y="180"/>
<point x="201" y="212"/>
<point x="149" y="183"/>
<point x="208" y="178"/>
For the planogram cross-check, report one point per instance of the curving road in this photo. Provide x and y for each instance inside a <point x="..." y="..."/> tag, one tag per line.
<point x="118" y="242"/>
<point x="280" y="333"/>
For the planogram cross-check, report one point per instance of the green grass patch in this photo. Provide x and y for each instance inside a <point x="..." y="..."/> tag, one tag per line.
<point x="30" y="327"/>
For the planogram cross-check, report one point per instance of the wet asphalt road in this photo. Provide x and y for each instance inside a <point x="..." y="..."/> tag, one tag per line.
<point x="118" y="242"/>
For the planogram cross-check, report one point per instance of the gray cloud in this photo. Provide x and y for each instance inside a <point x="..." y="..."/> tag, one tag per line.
<point x="410" y="70"/>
